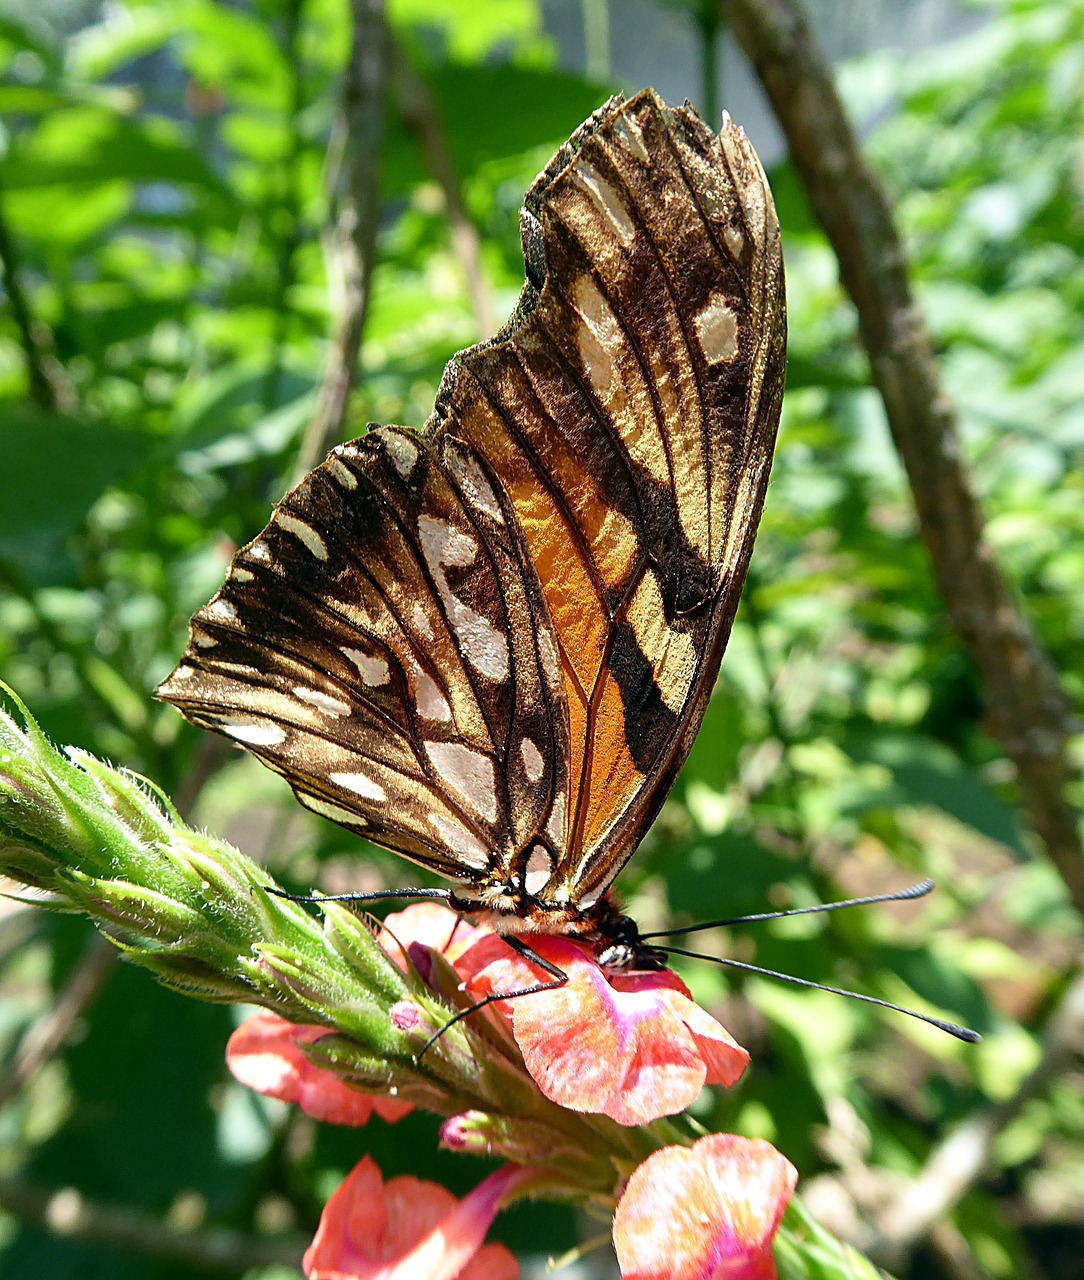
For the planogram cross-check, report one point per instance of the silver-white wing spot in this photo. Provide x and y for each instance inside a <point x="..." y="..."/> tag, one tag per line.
<point x="468" y="773"/>
<point x="532" y="759"/>
<point x="260" y="551"/>
<point x="627" y="132"/>
<point x="238" y="574"/>
<point x="341" y="473"/>
<point x="596" y="339"/>
<point x="607" y="201"/>
<point x="221" y="610"/>
<point x="431" y="703"/>
<point x="361" y="784"/>
<point x="735" y="241"/>
<point x="551" y="663"/>
<point x="305" y="533"/>
<point x="717" y="329"/>
<point x="403" y="453"/>
<point x="443" y="545"/>
<point x="482" y="644"/>
<point x="257" y="733"/>
<point x="462" y="842"/>
<point x="324" y="701"/>
<point x="334" y="812"/>
<point x="539" y="870"/>
<point x="476" y="488"/>
<point x="372" y="668"/>
<point x="555" y="827"/>
<point x="421" y="622"/>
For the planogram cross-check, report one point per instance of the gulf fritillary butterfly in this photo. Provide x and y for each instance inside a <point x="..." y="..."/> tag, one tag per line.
<point x="488" y="644"/>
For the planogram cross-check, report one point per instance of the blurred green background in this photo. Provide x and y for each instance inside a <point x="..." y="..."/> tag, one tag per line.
<point x="167" y="182"/>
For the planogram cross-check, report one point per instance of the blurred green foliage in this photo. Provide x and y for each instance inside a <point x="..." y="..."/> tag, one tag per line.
<point x="165" y="187"/>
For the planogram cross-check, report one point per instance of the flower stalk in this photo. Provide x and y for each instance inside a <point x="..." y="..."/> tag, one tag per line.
<point x="202" y="917"/>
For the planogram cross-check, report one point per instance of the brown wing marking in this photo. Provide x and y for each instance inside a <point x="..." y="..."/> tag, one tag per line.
<point x="551" y="581"/>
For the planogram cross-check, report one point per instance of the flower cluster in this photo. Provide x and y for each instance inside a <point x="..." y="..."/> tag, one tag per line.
<point x="570" y="1087"/>
<point x="633" y="1048"/>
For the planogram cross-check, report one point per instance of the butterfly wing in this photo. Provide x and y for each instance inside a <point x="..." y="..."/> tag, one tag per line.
<point x="631" y="412"/>
<point x="383" y="644"/>
<point x="550" y="583"/>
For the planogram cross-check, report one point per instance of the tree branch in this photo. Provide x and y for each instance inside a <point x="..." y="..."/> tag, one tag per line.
<point x="47" y="386"/>
<point x="1027" y="711"/>
<point x="420" y="115"/>
<point x="48" y="1034"/>
<point x="363" y="124"/>
<point x="285" y="201"/>
<point x="65" y="1212"/>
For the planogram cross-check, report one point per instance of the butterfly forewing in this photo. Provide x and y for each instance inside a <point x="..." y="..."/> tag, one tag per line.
<point x="631" y="415"/>
<point x="489" y="645"/>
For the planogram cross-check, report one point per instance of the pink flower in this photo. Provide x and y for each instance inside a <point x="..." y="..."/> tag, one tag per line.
<point x="631" y="1046"/>
<point x="427" y="926"/>
<point x="407" y="1229"/>
<point x="705" y="1212"/>
<point x="263" y="1054"/>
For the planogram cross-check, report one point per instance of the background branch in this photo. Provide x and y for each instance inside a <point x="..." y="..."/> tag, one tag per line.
<point x="218" y="1251"/>
<point x="958" y="1162"/>
<point x="359" y="216"/>
<point x="48" y="1034"/>
<point x="1026" y="709"/>
<point x="422" y="118"/>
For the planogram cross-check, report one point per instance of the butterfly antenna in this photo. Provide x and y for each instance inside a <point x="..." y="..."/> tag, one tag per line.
<point x="953" y="1029"/>
<point x="919" y="890"/>
<point x="379" y="895"/>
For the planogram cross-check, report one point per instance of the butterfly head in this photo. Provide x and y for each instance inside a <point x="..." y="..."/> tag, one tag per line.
<point x="627" y="952"/>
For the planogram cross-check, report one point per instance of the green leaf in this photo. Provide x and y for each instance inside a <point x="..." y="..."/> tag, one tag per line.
<point x="55" y="469"/>
<point x="470" y="30"/>
<point x="90" y="145"/>
<point x="101" y="48"/>
<point x="925" y="772"/>
<point x="492" y="112"/>
<point x="29" y="33"/>
<point x="804" y="1250"/>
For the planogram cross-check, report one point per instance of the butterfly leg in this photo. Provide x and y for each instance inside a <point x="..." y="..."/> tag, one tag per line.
<point x="528" y="953"/>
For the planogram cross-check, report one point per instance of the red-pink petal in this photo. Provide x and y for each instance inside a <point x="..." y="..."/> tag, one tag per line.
<point x="631" y="1046"/>
<point x="705" y="1212"/>
<point x="407" y="1229"/>
<point x="428" y="924"/>
<point x="263" y="1054"/>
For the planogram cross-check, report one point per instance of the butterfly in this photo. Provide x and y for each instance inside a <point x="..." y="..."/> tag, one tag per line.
<point x="488" y="644"/>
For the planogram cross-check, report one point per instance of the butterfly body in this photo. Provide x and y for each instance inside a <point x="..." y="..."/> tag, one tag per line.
<point x="488" y="644"/>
